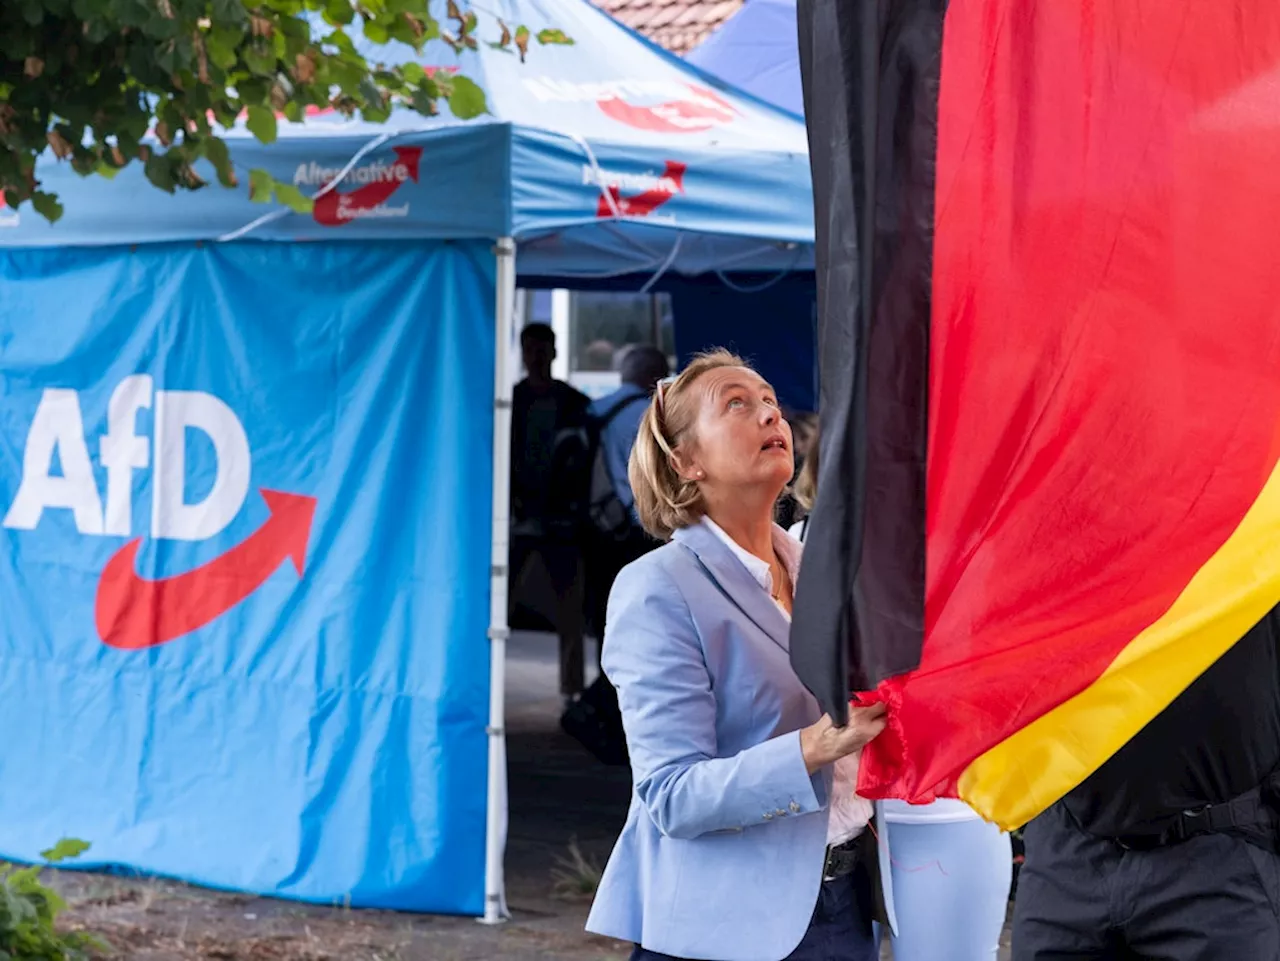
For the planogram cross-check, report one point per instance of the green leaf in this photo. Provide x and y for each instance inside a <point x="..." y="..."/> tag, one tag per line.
<point x="221" y="47"/>
<point x="68" y="849"/>
<point x="262" y="123"/>
<point x="554" y="36"/>
<point x="376" y="32"/>
<point x="106" y="171"/>
<point x="218" y="154"/>
<point x="339" y="12"/>
<point x="467" y="99"/>
<point x="262" y="186"/>
<point x="47" y="206"/>
<point x="160" y="172"/>
<point x="294" y="199"/>
<point x="413" y="72"/>
<point x="260" y="60"/>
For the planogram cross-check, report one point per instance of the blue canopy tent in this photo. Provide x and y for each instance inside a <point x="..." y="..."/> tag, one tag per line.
<point x="248" y="458"/>
<point x="756" y="50"/>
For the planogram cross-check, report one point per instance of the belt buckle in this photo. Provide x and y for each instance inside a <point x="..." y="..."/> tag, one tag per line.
<point x="834" y="852"/>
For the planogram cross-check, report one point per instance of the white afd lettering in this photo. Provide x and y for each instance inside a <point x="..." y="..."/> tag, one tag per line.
<point x="122" y="451"/>
<point x="58" y="428"/>
<point x="171" y="516"/>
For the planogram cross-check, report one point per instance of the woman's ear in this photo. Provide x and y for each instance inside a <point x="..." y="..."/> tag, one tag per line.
<point x="684" y="463"/>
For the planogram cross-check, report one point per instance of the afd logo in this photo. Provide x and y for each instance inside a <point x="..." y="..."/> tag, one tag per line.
<point x="133" y="612"/>
<point x="646" y="192"/>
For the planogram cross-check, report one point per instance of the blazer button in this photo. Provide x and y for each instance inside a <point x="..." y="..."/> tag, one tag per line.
<point x="781" y="813"/>
<point x="768" y="816"/>
<point x="795" y="808"/>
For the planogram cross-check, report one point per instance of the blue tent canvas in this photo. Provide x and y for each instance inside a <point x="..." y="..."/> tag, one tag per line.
<point x="756" y="51"/>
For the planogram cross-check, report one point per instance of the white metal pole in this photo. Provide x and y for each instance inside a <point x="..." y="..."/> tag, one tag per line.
<point x="561" y="311"/>
<point x="496" y="821"/>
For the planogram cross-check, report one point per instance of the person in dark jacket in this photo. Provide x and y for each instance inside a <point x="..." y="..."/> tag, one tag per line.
<point x="546" y="556"/>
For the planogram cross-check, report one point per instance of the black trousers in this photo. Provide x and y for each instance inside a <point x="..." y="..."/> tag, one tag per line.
<point x="1212" y="898"/>
<point x="840" y="929"/>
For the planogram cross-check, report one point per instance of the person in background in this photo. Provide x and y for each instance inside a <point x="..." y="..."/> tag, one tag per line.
<point x="545" y="533"/>
<point x="745" y="840"/>
<point x="804" y="426"/>
<point x="951" y="871"/>
<point x="618" y="417"/>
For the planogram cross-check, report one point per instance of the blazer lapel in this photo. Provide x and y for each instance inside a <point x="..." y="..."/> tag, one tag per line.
<point x="736" y="583"/>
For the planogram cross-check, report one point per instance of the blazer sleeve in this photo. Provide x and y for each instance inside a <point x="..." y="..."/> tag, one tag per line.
<point x="654" y="659"/>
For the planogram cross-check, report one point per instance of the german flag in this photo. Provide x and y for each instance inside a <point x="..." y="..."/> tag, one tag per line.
<point x="1049" y="288"/>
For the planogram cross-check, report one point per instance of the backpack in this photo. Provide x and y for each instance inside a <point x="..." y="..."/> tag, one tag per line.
<point x="606" y="515"/>
<point x="582" y="497"/>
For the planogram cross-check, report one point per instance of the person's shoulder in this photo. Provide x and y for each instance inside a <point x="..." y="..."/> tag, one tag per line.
<point x="651" y="594"/>
<point x="570" y="395"/>
<point x="656" y="573"/>
<point x="601" y="405"/>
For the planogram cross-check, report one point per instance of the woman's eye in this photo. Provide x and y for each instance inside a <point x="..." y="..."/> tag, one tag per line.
<point x="735" y="403"/>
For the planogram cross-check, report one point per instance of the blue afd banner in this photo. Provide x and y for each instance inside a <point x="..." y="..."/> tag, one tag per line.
<point x="244" y="564"/>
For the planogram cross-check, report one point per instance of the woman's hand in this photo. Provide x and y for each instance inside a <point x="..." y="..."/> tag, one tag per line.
<point x="824" y="743"/>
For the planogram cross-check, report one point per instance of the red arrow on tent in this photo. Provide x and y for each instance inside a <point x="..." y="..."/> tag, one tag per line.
<point x="641" y="205"/>
<point x="335" y="209"/>
<point x="133" y="613"/>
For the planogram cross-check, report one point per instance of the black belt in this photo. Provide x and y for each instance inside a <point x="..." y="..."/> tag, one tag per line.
<point x="1246" y="813"/>
<point x="841" y="859"/>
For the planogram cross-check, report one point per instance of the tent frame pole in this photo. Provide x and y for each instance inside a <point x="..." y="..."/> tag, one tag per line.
<point x="499" y="580"/>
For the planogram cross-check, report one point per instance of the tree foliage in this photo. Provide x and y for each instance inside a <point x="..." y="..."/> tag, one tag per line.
<point x="106" y="83"/>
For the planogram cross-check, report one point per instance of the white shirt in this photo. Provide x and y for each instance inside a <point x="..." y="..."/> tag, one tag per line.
<point x="941" y="811"/>
<point x="849" y="813"/>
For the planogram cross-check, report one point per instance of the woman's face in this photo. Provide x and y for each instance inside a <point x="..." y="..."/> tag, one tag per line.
<point x="739" y="440"/>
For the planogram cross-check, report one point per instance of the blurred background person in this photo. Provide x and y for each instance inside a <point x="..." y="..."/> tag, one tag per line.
<point x="546" y="557"/>
<point x="619" y="541"/>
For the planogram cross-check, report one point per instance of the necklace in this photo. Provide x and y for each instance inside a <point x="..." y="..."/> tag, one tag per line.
<point x="781" y="580"/>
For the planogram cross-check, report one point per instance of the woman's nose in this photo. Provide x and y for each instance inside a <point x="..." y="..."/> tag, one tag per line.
<point x="770" y="415"/>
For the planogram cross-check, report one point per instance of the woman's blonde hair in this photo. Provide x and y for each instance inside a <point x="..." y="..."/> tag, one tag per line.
<point x="665" y="501"/>
<point x="805" y="489"/>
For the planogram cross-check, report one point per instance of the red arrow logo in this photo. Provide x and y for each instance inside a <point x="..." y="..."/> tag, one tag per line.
<point x="335" y="209"/>
<point x="134" y="614"/>
<point x="641" y="205"/>
<point x="703" y="110"/>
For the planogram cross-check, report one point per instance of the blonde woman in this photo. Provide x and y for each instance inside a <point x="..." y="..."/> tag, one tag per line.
<point x="744" y="841"/>
<point x="951" y="870"/>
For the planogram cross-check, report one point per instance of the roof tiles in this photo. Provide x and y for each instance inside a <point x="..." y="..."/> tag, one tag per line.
<point x="678" y="25"/>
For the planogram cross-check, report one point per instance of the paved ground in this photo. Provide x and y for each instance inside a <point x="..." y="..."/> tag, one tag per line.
<point x="560" y="800"/>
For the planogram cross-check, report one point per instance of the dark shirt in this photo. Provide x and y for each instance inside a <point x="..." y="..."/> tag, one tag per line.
<point x="1218" y="739"/>
<point x="537" y="416"/>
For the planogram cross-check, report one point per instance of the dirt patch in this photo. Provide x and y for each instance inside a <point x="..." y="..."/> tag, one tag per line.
<point x="153" y="920"/>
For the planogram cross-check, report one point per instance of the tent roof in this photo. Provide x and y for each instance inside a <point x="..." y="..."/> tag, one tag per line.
<point x="591" y="153"/>
<point x="756" y="49"/>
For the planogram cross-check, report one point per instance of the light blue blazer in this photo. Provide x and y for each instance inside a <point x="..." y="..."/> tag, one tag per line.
<point x="722" y="852"/>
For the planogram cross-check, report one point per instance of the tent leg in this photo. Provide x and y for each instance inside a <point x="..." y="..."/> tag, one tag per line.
<point x="496" y="826"/>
